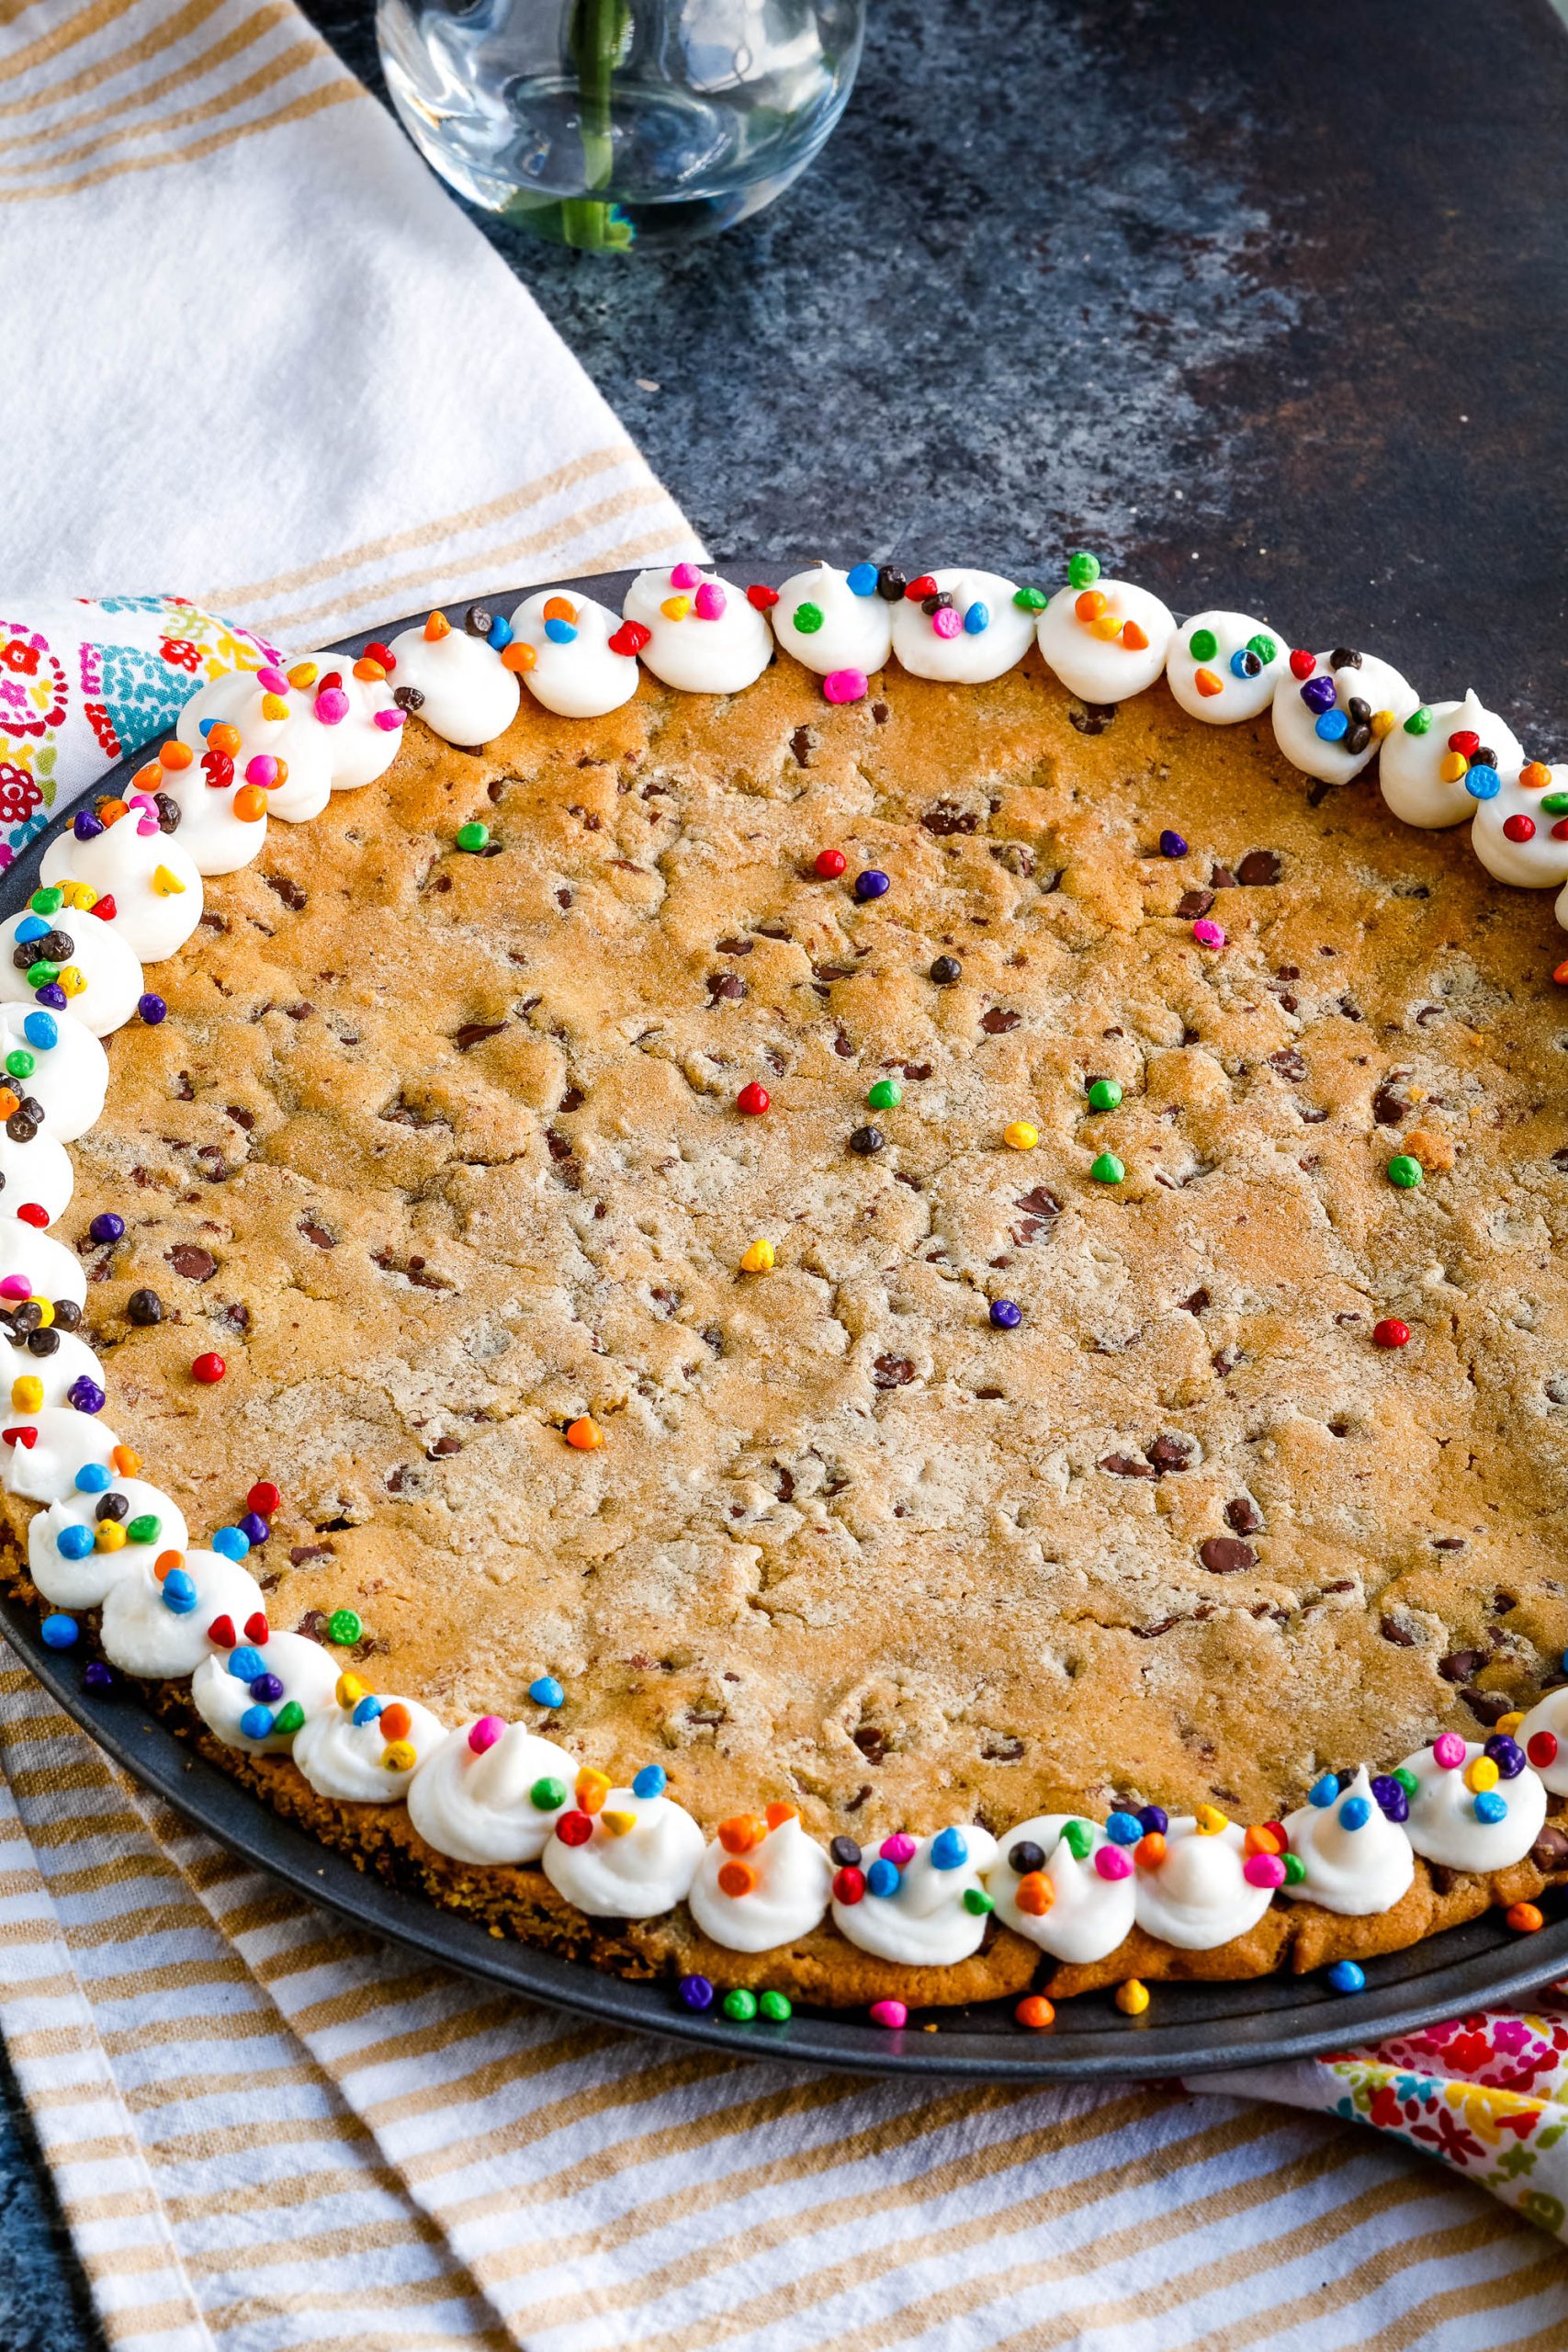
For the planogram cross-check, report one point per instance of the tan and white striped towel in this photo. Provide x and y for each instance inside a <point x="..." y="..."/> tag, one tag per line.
<point x="258" y="352"/>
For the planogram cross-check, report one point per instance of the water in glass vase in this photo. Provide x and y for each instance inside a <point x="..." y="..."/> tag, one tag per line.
<point x="613" y="124"/>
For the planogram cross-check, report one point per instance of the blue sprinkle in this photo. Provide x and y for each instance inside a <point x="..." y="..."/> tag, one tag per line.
<point x="1483" y="784"/>
<point x="245" y="1664"/>
<point x="1172" y="846"/>
<point x="32" y="927"/>
<point x="230" y="1543"/>
<point x="1346" y="1976"/>
<point x="74" y="1542"/>
<point x="367" y="1709"/>
<point x="179" y="1592"/>
<point x="976" y="620"/>
<point x="559" y="632"/>
<point x="862" y="579"/>
<point x="545" y="1692"/>
<point x="60" y="1631"/>
<point x="650" y="1781"/>
<point x="871" y="884"/>
<point x="1355" y="1813"/>
<point x="1331" y="726"/>
<point x="500" y="634"/>
<point x="92" y="1478"/>
<point x="950" y="1850"/>
<point x="256" y="1723"/>
<point x="1563" y="1661"/>
<point x="1123" y="1829"/>
<point x="1245" y="664"/>
<point x="883" y="1878"/>
<point x="697" y="1993"/>
<point x="1322" y="1792"/>
<point x="204" y="728"/>
<point x="42" y="1029"/>
<point x="1490" y="1807"/>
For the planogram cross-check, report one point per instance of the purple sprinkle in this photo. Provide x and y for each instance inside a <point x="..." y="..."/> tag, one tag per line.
<point x="52" y="995"/>
<point x="254" y="1528"/>
<point x="85" y="1394"/>
<point x="871" y="884"/>
<point x="1005" y="1315"/>
<point x="268" y="1687"/>
<point x="151" y="1008"/>
<point x="85" y="826"/>
<point x="696" y="1992"/>
<point x="106" y="1226"/>
<point x="96" y="1676"/>
<point x="1172" y="846"/>
<point x="1320" y="693"/>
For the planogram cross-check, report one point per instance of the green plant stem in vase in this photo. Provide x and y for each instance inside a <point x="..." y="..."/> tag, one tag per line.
<point x="600" y="32"/>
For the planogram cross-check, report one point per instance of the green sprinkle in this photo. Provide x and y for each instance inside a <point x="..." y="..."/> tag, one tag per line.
<point x="20" y="1064"/>
<point x="1108" y="1169"/>
<point x="1296" y="1869"/>
<point x="547" y="1796"/>
<point x="1078" y="1839"/>
<point x="1408" y="1781"/>
<point x="1263" y="646"/>
<point x="344" y="1626"/>
<point x="40" y="975"/>
<point x="1083" y="570"/>
<point x="1105" y="1095"/>
<point x="289" y="1717"/>
<point x="47" y="901"/>
<point x="885" y="1095"/>
<point x="1030" y="600"/>
<point x="1203" y="645"/>
<point x="472" y="835"/>
<point x="145" y="1527"/>
<point x="1419" y="722"/>
<point x="977" y="1902"/>
<point x="1404" y="1172"/>
<point x="1555" y="804"/>
<point x="808" y="620"/>
<point x="741" y="2005"/>
<point x="776" y="2007"/>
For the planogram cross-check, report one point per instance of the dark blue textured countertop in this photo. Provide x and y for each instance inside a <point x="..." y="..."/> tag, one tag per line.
<point x="1268" y="306"/>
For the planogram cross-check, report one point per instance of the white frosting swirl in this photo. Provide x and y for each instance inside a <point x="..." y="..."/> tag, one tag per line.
<point x="1091" y="663"/>
<point x="478" y="1804"/>
<point x="70" y="1360"/>
<point x="925" y="1922"/>
<point x="1538" y="861"/>
<point x="1088" y="1914"/>
<point x="971" y="656"/>
<point x="792" y="1879"/>
<point x="1371" y="680"/>
<point x="363" y="743"/>
<point x="343" y="1759"/>
<point x="1549" y="1715"/>
<point x="1353" y="1865"/>
<point x="149" y="874"/>
<point x="82" y="1584"/>
<point x="1238" y="678"/>
<point x="108" y="967"/>
<point x="214" y="836"/>
<point x="579" y="678"/>
<point x="48" y="1269"/>
<point x="633" y="1872"/>
<point x="141" y="1632"/>
<point x="1444" y="1825"/>
<point x="276" y="720"/>
<point x="70" y="1077"/>
<point x="1197" y="1897"/>
<point x="468" y="695"/>
<point x="222" y="1699"/>
<point x="719" y="644"/>
<point x="62" y="1441"/>
<point x="216" y="702"/>
<point x="853" y="632"/>
<point x="36" y="1174"/>
<point x="1409" y="764"/>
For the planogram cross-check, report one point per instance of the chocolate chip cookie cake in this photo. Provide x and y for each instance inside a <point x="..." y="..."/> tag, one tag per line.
<point x="846" y="1292"/>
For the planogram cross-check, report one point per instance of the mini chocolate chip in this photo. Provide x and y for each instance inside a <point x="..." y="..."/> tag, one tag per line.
<point x="891" y="583"/>
<point x="43" y="1342"/>
<point x="407" y="697"/>
<point x="478" y="621"/>
<point x="144" y="1307"/>
<point x="1244" y="1516"/>
<point x="1342" y="658"/>
<point x="845" y="1853"/>
<point x="867" y="1141"/>
<point x="1225" y="1554"/>
<point x="1026" y="1858"/>
<point x="947" y="971"/>
<point x="112" y="1506"/>
<point x="67" y="1315"/>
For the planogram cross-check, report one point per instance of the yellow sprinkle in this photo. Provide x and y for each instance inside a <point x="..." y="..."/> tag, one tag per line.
<point x="1020" y="1136"/>
<point x="45" y="1310"/>
<point x="675" y="608"/>
<point x="1384" y="723"/>
<point x="274" y="707"/>
<point x="618" y="1824"/>
<point x="1210" y="1820"/>
<point x="1451" y="766"/>
<point x="108" y="1536"/>
<point x="1132" y="1998"/>
<point x="83" y="898"/>
<point x="400" y="1756"/>
<point x="167" y="885"/>
<point x="1508" y="1724"/>
<point x="26" y="1394"/>
<point x="1482" y="1774"/>
<point x="1108" y="626"/>
<point x="70" y="981"/>
<point x="759" y="1258"/>
<point x="350" y="1691"/>
<point x="304" y="673"/>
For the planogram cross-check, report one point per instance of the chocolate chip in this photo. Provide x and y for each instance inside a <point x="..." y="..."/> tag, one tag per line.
<point x="1488" y="1706"/>
<point x="144" y="1307"/>
<point x="946" y="819"/>
<point x="291" y="893"/>
<point x="947" y="971"/>
<point x="1196" y="1304"/>
<point x="1091" y="718"/>
<point x="1039" y="1201"/>
<point x="67" y="1315"/>
<point x="1342" y="658"/>
<point x="407" y="697"/>
<point x="843" y="1853"/>
<point x="1193" y="903"/>
<point x="735" y="946"/>
<point x="1171" y="1454"/>
<point x="997" y="1021"/>
<point x="1549" y="1851"/>
<point x="1459" y="1664"/>
<point x="197" y="1265"/>
<point x="474" y="1032"/>
<point x="318" y="1234"/>
<point x="1244" y="1516"/>
<point x="892" y="1372"/>
<point x="891" y="583"/>
<point x="867" y="1141"/>
<point x="1226" y="1554"/>
<point x="1258" y="868"/>
<point x="1124" y="1465"/>
<point x="872" y="1743"/>
<point x="1289" y="1064"/>
<point x="800" y="743"/>
<point x="725" y="988"/>
<point x="1222" y="878"/>
<point x="1387" y="1108"/>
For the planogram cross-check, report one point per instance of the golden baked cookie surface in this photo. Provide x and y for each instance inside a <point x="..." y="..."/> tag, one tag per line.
<point x="441" y="1151"/>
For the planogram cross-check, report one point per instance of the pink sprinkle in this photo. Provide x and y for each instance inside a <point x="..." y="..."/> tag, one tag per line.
<point x="683" y="575"/>
<point x="145" y="825"/>
<point x="892" y="2014"/>
<point x="144" y="801"/>
<point x="331" y="705"/>
<point x="388" y="720"/>
<point x="1447" y="1749"/>
<point x="15" y="1287"/>
<point x="262" y="770"/>
<point x="485" y="1732"/>
<point x="1209" y="934"/>
<point x="1112" y="1862"/>
<point x="273" y="680"/>
<point x="947" y="620"/>
<point x="898" y="1848"/>
<point x="1263" y="1870"/>
<point x="846" y="685"/>
<point x="711" y="600"/>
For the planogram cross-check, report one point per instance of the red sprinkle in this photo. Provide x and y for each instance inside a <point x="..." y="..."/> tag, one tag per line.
<point x="27" y="1437"/>
<point x="630" y="638"/>
<point x="763" y="598"/>
<point x="1542" y="1748"/>
<point x="222" y="1634"/>
<point x="849" y="1886"/>
<point x="30" y="1214"/>
<point x="209" y="1369"/>
<point x="753" y="1100"/>
<point x="1392" y="1332"/>
<point x="380" y="653"/>
<point x="104" y="908"/>
<point x="264" y="1498"/>
<point x="919" y="590"/>
<point x="1518" y="829"/>
<point x="575" y="1828"/>
<point x="1466" y="740"/>
<point x="257" y="1628"/>
<point x="1303" y="664"/>
<point x="830" y="863"/>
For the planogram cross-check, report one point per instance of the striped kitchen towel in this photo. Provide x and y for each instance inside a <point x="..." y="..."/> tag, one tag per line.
<point x="269" y="2131"/>
<point x="268" y="358"/>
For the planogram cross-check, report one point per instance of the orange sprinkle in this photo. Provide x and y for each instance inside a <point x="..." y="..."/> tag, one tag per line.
<point x="164" y="1562"/>
<point x="1134" y="638"/>
<point x="518" y="656"/>
<point x="395" y="1722"/>
<point x="9" y="1103"/>
<point x="1535" y="776"/>
<point x="1561" y="976"/>
<point x="561" y="608"/>
<point x="436" y="627"/>
<point x="175" y="756"/>
<point x="1524" y="1917"/>
<point x="223" y="738"/>
<point x="1035" y="1894"/>
<point x="742" y="1832"/>
<point x="1150" y="1851"/>
<point x="593" y="1788"/>
<point x="1035" y="2011"/>
<point x="146" y="779"/>
<point x="585" y="1434"/>
<point x="368" y="670"/>
<point x="125" y="1460"/>
<point x="249" y="802"/>
<point x="1207" y="684"/>
<point x="736" y="1878"/>
<point x="1089" y="606"/>
<point x="111" y="811"/>
<point x="1265" y="1837"/>
<point x="777" y="1814"/>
